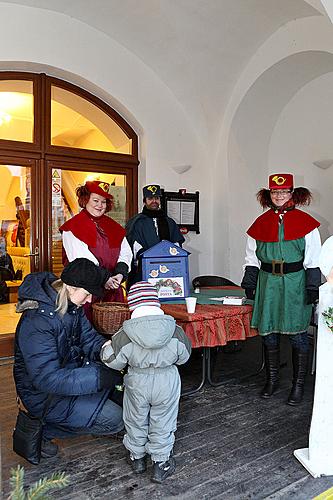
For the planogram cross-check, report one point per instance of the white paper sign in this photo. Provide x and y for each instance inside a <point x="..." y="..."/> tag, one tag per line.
<point x="169" y="287"/>
<point x="182" y="212"/>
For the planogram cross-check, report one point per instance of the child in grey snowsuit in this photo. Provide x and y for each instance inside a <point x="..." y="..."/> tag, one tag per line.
<point x="151" y="344"/>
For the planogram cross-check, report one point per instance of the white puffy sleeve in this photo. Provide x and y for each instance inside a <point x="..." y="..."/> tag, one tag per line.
<point x="125" y="253"/>
<point x="76" y="248"/>
<point x="312" y="249"/>
<point x="251" y="258"/>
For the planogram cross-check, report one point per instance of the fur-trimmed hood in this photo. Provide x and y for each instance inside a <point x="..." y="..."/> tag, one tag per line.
<point x="36" y="289"/>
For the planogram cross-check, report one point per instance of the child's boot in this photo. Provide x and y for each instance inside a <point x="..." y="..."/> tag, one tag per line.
<point x="162" y="470"/>
<point x="139" y="465"/>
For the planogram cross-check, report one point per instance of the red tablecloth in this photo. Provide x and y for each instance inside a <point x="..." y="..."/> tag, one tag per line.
<point x="213" y="325"/>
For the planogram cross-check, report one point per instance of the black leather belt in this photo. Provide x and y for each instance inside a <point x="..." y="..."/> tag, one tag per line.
<point x="279" y="267"/>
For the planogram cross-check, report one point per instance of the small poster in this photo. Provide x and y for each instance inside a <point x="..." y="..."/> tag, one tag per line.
<point x="118" y="212"/>
<point x="56" y="188"/>
<point x="168" y="288"/>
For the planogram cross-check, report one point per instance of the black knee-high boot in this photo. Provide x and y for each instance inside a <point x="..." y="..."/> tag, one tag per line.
<point x="300" y="364"/>
<point x="272" y="363"/>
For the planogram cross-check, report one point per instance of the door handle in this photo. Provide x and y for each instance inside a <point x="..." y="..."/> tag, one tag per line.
<point x="36" y="254"/>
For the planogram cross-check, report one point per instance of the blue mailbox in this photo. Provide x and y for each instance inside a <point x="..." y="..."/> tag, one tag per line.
<point x="165" y="265"/>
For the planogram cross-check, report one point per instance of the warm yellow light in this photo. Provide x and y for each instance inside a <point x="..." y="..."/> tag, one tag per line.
<point x="92" y="177"/>
<point x="10" y="101"/>
<point x="4" y="117"/>
<point x="99" y="177"/>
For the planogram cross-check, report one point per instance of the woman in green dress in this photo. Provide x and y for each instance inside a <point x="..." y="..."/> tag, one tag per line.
<point x="283" y="277"/>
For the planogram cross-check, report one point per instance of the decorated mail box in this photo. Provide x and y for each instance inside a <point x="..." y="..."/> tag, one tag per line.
<point x="165" y="265"/>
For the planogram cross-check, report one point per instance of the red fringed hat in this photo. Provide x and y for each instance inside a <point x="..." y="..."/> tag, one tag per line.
<point x="99" y="187"/>
<point x="281" y="181"/>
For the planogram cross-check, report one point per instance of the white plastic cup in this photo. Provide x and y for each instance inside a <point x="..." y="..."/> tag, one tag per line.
<point x="190" y="304"/>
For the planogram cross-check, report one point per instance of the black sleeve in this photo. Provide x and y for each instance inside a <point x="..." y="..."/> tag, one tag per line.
<point x="108" y="378"/>
<point x="130" y="231"/>
<point x="313" y="282"/>
<point x="250" y="277"/>
<point x="121" y="268"/>
<point x="313" y="278"/>
<point x="106" y="274"/>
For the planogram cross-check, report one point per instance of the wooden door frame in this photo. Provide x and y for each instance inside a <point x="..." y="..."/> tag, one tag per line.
<point x="48" y="82"/>
<point x="41" y="155"/>
<point x="35" y="220"/>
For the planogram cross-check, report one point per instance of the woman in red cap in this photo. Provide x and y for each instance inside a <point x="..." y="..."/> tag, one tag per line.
<point x="283" y="277"/>
<point x="93" y="235"/>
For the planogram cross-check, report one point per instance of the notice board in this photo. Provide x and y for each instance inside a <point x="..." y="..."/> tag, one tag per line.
<point x="183" y="208"/>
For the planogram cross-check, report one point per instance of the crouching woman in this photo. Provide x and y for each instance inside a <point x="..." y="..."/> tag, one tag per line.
<point x="57" y="355"/>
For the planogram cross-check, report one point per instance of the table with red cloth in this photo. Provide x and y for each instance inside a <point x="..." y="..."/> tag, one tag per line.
<point x="213" y="324"/>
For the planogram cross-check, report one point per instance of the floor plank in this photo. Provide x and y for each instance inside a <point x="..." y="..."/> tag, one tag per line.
<point x="230" y="444"/>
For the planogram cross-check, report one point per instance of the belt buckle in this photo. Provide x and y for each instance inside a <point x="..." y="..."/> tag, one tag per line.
<point x="277" y="267"/>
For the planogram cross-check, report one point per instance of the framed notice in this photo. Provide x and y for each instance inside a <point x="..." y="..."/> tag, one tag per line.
<point x="183" y="208"/>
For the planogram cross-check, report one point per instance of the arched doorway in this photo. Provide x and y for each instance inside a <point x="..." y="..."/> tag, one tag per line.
<point x="53" y="137"/>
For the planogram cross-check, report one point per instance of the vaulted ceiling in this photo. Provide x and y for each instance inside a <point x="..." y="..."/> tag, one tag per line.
<point x="198" y="48"/>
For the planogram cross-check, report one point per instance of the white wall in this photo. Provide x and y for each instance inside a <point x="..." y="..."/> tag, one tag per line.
<point x="295" y="55"/>
<point x="61" y="46"/>
<point x="303" y="134"/>
<point x="228" y="178"/>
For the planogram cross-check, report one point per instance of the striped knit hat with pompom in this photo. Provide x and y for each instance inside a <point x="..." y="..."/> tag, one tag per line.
<point x="142" y="294"/>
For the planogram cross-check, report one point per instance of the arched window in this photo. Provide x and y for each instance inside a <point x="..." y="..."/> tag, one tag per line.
<point x="53" y="137"/>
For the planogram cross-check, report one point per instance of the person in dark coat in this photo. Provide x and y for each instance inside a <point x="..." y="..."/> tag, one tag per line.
<point x="57" y="354"/>
<point x="148" y="228"/>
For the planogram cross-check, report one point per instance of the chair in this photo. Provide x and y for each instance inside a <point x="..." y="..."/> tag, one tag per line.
<point x="6" y="274"/>
<point x="202" y="281"/>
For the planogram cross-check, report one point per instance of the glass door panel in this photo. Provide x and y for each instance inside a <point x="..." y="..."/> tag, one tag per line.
<point x="16" y="110"/>
<point x="65" y="206"/>
<point x="15" y="238"/>
<point x="77" y="123"/>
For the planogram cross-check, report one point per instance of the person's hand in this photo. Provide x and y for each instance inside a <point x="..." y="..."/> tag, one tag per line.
<point x="109" y="284"/>
<point x="114" y="282"/>
<point x="117" y="279"/>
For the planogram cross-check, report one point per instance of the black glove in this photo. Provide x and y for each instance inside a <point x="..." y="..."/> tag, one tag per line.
<point x="109" y="378"/>
<point x="250" y="278"/>
<point x="121" y="268"/>
<point x="313" y="282"/>
<point x="312" y="296"/>
<point x="250" y="293"/>
<point x="117" y="395"/>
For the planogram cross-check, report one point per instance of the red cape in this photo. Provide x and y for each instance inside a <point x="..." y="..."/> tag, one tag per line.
<point x="296" y="225"/>
<point x="84" y="228"/>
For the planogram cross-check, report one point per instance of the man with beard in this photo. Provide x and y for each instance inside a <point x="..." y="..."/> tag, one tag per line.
<point x="148" y="228"/>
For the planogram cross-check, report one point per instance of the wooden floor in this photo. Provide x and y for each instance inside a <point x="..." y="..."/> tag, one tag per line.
<point x="230" y="444"/>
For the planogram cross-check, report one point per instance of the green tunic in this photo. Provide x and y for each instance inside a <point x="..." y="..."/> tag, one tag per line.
<point x="280" y="301"/>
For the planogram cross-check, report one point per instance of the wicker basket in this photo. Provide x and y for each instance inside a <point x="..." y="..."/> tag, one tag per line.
<point x="108" y="317"/>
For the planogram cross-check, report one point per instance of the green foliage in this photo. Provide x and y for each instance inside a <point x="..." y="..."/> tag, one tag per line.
<point x="328" y="315"/>
<point x="38" y="491"/>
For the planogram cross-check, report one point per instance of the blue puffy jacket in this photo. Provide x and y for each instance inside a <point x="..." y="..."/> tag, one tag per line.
<point x="42" y="341"/>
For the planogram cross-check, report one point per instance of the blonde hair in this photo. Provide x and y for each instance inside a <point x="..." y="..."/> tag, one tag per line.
<point x="62" y="297"/>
